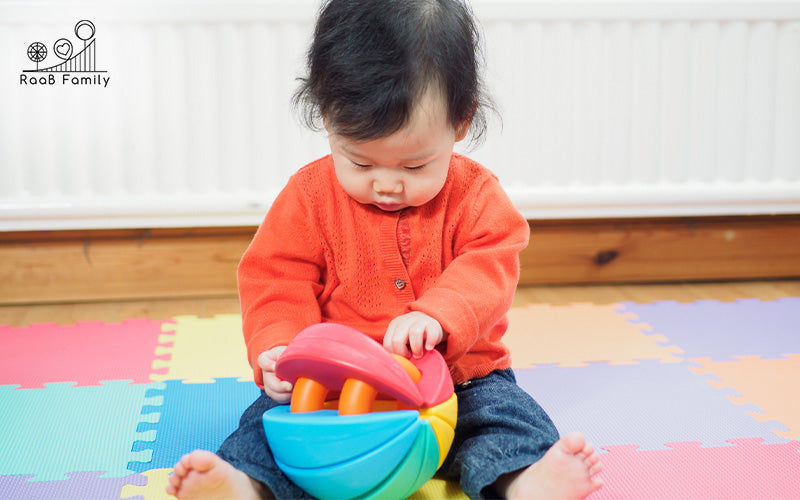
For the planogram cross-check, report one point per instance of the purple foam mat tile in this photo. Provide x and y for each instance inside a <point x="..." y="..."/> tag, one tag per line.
<point x="648" y="405"/>
<point x="79" y="486"/>
<point x="723" y="330"/>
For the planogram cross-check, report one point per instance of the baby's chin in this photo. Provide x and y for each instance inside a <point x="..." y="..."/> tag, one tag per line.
<point x="390" y="207"/>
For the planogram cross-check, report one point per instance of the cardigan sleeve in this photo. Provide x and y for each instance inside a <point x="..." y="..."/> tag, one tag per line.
<point x="279" y="277"/>
<point x="476" y="289"/>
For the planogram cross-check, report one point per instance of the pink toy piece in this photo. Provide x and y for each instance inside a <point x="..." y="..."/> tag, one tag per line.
<point x="331" y="353"/>
<point x="436" y="385"/>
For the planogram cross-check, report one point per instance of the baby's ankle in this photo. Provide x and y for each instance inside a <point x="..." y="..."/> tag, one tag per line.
<point x="501" y="487"/>
<point x="261" y="489"/>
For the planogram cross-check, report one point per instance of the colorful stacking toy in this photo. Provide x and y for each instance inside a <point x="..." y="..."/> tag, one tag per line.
<point x="363" y="423"/>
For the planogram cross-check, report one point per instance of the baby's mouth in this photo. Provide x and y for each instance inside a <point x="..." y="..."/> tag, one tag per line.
<point x="389" y="207"/>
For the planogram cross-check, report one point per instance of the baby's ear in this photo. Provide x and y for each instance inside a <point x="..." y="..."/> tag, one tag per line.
<point x="462" y="129"/>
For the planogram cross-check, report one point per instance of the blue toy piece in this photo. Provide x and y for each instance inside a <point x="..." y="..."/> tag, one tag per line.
<point x="388" y="452"/>
<point x="298" y="437"/>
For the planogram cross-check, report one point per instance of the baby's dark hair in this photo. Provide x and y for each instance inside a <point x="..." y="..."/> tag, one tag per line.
<point x="371" y="61"/>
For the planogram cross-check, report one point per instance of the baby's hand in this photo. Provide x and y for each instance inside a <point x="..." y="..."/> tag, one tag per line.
<point x="277" y="389"/>
<point x="413" y="333"/>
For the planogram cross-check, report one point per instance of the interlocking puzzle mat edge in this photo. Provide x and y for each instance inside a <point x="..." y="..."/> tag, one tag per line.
<point x="668" y="352"/>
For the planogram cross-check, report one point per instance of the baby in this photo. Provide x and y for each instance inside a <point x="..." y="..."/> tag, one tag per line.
<point x="399" y="237"/>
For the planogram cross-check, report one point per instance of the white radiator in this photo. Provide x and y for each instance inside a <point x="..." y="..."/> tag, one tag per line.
<point x="624" y="108"/>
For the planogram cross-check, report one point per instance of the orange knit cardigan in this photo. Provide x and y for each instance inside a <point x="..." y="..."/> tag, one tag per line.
<point x="321" y="256"/>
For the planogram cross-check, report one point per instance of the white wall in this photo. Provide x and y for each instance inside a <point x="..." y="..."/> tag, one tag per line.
<point x="610" y="109"/>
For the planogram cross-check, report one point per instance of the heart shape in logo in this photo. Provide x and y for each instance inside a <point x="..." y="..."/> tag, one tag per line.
<point x="63" y="48"/>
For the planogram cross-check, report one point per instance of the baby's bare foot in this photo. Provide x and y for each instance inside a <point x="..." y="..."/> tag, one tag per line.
<point x="202" y="475"/>
<point x="567" y="471"/>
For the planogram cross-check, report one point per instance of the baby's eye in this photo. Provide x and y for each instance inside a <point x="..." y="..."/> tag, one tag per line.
<point x="418" y="167"/>
<point x="359" y="165"/>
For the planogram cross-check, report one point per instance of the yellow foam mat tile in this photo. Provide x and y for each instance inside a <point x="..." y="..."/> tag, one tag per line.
<point x="198" y="350"/>
<point x="436" y="488"/>
<point x="577" y="334"/>
<point x="155" y="489"/>
<point x="771" y="384"/>
<point x="439" y="488"/>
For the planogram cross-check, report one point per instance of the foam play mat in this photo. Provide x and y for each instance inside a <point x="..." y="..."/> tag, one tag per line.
<point x="693" y="400"/>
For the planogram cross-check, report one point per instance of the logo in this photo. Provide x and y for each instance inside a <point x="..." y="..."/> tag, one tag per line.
<point x="74" y="68"/>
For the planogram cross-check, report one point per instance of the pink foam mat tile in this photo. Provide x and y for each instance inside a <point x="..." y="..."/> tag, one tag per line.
<point x="750" y="470"/>
<point x="84" y="353"/>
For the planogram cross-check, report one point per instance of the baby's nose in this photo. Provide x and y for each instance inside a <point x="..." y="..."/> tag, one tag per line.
<point x="387" y="186"/>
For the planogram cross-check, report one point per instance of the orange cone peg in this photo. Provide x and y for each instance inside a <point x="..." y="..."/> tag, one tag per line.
<point x="412" y="370"/>
<point x="308" y="395"/>
<point x="356" y="398"/>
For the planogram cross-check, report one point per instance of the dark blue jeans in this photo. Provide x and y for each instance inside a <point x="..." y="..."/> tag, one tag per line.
<point x="500" y="429"/>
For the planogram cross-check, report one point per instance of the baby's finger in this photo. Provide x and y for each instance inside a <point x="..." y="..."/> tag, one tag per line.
<point x="278" y="390"/>
<point x="395" y="341"/>
<point x="433" y="338"/>
<point x="276" y="384"/>
<point x="416" y="340"/>
<point x="267" y="360"/>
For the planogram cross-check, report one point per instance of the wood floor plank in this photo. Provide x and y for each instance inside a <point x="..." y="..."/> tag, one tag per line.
<point x="645" y="293"/>
<point x="162" y="309"/>
<point x="71" y="313"/>
<point x="14" y="315"/>
<point x="169" y="308"/>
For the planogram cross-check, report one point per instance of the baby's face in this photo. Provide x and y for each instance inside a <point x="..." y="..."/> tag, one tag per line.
<point x="405" y="169"/>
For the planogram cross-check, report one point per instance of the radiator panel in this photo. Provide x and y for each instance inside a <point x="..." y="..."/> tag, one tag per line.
<point x="631" y="109"/>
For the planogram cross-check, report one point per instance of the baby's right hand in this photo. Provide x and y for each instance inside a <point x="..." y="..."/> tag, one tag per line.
<point x="277" y="389"/>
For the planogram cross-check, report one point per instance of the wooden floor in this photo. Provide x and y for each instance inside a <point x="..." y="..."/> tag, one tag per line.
<point x="114" y="311"/>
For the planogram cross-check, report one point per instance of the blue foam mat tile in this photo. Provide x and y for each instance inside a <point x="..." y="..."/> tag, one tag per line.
<point x="192" y="416"/>
<point x="50" y="432"/>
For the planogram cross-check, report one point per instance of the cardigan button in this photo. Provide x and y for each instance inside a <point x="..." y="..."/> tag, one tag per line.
<point x="400" y="284"/>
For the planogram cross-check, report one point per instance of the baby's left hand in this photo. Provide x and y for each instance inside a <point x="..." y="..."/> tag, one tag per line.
<point x="413" y="333"/>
